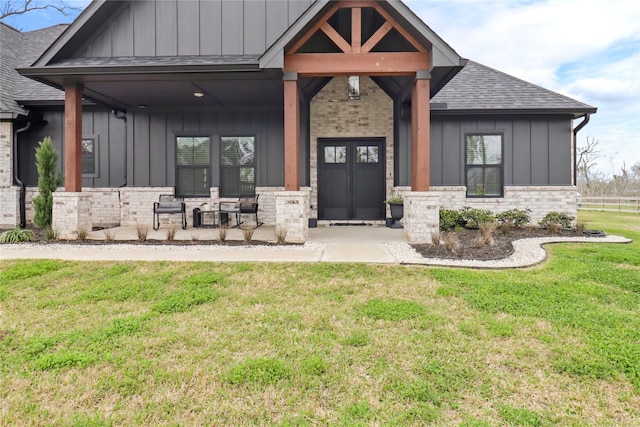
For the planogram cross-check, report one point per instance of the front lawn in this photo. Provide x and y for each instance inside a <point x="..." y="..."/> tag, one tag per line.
<point x="132" y="343"/>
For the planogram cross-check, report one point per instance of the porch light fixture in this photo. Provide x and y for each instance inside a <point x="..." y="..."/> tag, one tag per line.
<point x="198" y="94"/>
<point x="354" y="87"/>
<point x="142" y="106"/>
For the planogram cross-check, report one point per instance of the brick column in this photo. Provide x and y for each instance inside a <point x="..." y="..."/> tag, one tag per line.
<point x="291" y="132"/>
<point x="71" y="213"/>
<point x="292" y="214"/>
<point x="421" y="215"/>
<point x="73" y="138"/>
<point x="420" y="132"/>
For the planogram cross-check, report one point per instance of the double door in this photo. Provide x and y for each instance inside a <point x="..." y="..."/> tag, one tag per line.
<point x="351" y="178"/>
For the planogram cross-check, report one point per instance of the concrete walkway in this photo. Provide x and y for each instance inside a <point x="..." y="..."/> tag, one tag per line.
<point x="325" y="244"/>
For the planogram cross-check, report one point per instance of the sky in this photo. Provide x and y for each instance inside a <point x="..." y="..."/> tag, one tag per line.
<point x="588" y="50"/>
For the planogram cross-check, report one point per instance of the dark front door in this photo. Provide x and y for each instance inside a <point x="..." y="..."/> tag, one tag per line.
<point x="351" y="181"/>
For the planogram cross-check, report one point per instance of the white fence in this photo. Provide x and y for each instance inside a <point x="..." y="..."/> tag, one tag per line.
<point x="609" y="204"/>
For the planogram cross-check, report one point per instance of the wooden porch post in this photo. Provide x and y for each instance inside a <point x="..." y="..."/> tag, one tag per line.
<point x="291" y="132"/>
<point x="420" y="132"/>
<point x="73" y="138"/>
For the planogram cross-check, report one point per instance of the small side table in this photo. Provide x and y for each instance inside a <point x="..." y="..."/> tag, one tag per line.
<point x="208" y="218"/>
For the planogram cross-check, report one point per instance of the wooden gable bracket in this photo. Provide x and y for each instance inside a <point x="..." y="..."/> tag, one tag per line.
<point x="356" y="58"/>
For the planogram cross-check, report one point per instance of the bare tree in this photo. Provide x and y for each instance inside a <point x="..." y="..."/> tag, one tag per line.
<point x="19" y="7"/>
<point x="587" y="157"/>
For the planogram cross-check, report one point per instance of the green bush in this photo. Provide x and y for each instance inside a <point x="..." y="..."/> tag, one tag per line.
<point x="48" y="182"/>
<point x="17" y="235"/>
<point x="448" y="219"/>
<point x="556" y="218"/>
<point x="473" y="217"/>
<point x="514" y="217"/>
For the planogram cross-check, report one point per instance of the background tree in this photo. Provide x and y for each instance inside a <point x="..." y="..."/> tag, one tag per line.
<point x="19" y="7"/>
<point x="587" y="155"/>
<point x="48" y="182"/>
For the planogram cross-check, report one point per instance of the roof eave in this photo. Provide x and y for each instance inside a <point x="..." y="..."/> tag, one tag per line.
<point x="573" y="112"/>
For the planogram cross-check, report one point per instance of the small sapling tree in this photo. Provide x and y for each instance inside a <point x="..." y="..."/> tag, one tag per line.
<point x="48" y="182"/>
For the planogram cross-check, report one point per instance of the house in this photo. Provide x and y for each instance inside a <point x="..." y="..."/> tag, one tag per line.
<point x="323" y="108"/>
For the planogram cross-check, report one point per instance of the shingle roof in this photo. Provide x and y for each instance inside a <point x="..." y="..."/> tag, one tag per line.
<point x="152" y="61"/>
<point x="17" y="50"/>
<point x="480" y="88"/>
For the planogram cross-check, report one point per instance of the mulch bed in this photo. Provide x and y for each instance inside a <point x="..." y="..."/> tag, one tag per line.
<point x="500" y="248"/>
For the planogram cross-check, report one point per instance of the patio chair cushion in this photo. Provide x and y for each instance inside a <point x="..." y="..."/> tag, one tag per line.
<point x="169" y="207"/>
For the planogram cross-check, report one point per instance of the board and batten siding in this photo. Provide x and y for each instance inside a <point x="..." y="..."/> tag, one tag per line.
<point x="536" y="150"/>
<point x="150" y="141"/>
<point x="109" y="133"/>
<point x="193" y="27"/>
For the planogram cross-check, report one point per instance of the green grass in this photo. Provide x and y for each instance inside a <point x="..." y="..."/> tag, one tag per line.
<point x="92" y="343"/>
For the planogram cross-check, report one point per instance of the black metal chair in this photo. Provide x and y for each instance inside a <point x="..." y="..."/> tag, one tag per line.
<point x="249" y="206"/>
<point x="168" y="204"/>
<point x="246" y="205"/>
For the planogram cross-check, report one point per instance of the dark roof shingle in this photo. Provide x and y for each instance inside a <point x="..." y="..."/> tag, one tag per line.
<point x="480" y="88"/>
<point x="18" y="50"/>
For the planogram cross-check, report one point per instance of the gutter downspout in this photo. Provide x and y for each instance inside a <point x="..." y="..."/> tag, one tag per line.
<point x="124" y="118"/>
<point x="577" y="129"/>
<point x="23" y="219"/>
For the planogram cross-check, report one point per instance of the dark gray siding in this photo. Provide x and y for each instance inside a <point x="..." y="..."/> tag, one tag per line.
<point x="537" y="151"/>
<point x="149" y="138"/>
<point x="194" y="27"/>
<point x="153" y="137"/>
<point x="99" y="123"/>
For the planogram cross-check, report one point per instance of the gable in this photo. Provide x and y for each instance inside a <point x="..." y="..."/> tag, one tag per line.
<point x="149" y="28"/>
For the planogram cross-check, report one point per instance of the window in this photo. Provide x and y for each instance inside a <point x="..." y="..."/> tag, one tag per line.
<point x="90" y="156"/>
<point x="193" y="165"/>
<point x="367" y="153"/>
<point x="333" y="154"/>
<point x="484" y="165"/>
<point x="238" y="171"/>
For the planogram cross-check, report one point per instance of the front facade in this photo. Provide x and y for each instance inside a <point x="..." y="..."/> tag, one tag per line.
<point x="324" y="108"/>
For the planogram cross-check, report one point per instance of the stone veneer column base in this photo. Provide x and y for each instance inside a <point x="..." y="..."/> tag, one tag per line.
<point x="10" y="207"/>
<point x="71" y="213"/>
<point x="421" y="216"/>
<point x="292" y="214"/>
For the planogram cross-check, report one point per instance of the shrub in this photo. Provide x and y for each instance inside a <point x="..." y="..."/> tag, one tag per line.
<point x="435" y="238"/>
<point x="488" y="230"/>
<point x="83" y="233"/>
<point x="50" y="233"/>
<point x="448" y="219"/>
<point x="17" y="235"/>
<point x="559" y="218"/>
<point x="473" y="217"/>
<point x="222" y="233"/>
<point x="281" y="235"/>
<point x="171" y="233"/>
<point x="48" y="182"/>
<point x="514" y="217"/>
<point x="143" y="231"/>
<point x="109" y="234"/>
<point x="247" y="233"/>
<point x="451" y="242"/>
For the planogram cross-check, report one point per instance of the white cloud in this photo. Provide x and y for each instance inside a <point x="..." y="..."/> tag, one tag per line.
<point x="588" y="50"/>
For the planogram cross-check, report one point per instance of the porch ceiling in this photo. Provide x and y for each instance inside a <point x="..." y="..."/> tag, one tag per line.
<point x="156" y="92"/>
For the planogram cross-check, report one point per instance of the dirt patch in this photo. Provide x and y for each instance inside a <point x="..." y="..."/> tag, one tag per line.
<point x="500" y="246"/>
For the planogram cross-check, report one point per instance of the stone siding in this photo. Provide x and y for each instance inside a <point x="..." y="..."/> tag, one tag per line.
<point x="71" y="214"/>
<point x="540" y="199"/>
<point x="9" y="194"/>
<point x="334" y="115"/>
<point x="6" y="160"/>
<point x="292" y="214"/>
<point x="421" y="216"/>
